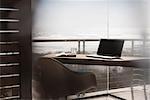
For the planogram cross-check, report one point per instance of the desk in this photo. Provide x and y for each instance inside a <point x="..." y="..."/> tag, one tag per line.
<point x="134" y="62"/>
<point x="124" y="61"/>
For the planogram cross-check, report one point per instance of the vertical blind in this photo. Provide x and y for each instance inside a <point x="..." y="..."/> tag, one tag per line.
<point x="9" y="51"/>
<point x="14" y="36"/>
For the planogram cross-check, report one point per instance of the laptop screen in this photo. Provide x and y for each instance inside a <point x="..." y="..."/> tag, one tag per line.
<point x="110" y="47"/>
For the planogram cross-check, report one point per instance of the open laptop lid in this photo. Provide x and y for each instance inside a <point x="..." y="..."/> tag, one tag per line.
<point x="110" y="47"/>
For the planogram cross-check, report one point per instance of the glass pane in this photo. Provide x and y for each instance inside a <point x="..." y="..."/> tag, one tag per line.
<point x="125" y="20"/>
<point x="70" y="19"/>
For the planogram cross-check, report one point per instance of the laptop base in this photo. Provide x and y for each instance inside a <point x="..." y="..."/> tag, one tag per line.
<point x="102" y="57"/>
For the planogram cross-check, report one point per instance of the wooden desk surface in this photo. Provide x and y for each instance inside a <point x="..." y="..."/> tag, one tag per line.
<point x="124" y="61"/>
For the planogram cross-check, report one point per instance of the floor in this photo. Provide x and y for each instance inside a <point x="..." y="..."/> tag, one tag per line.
<point x="124" y="93"/>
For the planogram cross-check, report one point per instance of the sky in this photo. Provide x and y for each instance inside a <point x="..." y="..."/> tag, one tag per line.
<point x="90" y="19"/>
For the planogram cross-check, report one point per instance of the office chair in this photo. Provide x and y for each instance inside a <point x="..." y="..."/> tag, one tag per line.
<point x="54" y="80"/>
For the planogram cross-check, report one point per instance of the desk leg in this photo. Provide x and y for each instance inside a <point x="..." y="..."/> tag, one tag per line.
<point x="107" y="87"/>
<point x="107" y="77"/>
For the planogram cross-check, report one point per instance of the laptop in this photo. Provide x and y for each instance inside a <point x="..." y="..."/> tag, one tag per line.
<point x="109" y="49"/>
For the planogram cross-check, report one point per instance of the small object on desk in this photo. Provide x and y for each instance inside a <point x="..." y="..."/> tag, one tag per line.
<point x="73" y="51"/>
<point x="65" y="55"/>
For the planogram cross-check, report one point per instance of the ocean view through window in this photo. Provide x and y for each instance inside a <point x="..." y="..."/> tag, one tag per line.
<point x="88" y="19"/>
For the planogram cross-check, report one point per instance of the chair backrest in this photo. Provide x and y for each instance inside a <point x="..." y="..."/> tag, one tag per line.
<point x="53" y="67"/>
<point x="53" y="76"/>
<point x="58" y="81"/>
